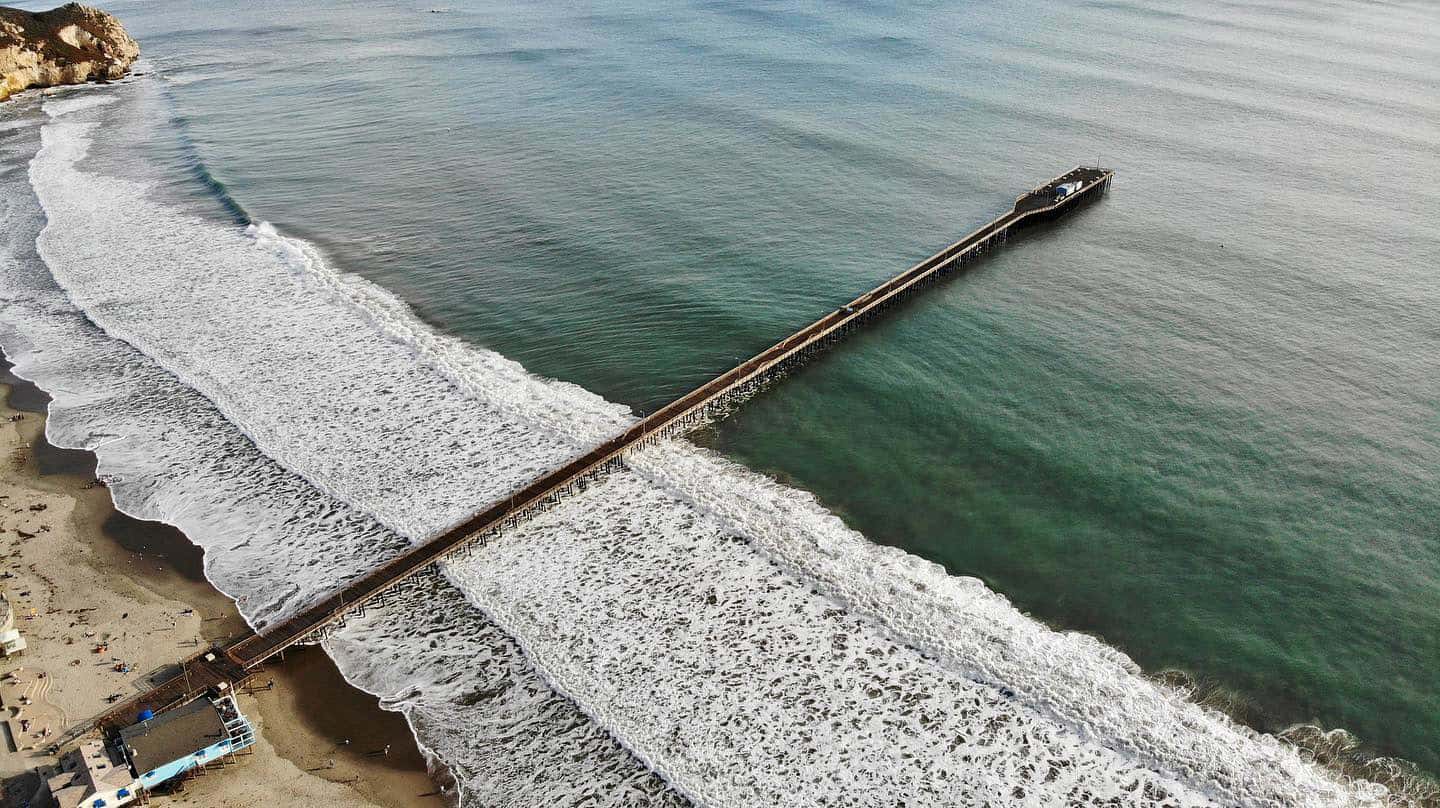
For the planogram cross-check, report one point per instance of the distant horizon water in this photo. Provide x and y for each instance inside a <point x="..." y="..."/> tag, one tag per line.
<point x="1196" y="426"/>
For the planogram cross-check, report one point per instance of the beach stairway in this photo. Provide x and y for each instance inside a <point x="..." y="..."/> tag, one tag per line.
<point x="240" y="731"/>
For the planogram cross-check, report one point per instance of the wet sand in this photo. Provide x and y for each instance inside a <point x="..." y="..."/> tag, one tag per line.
<point x="304" y="719"/>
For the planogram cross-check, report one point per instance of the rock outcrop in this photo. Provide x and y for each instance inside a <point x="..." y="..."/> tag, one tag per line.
<point x="71" y="44"/>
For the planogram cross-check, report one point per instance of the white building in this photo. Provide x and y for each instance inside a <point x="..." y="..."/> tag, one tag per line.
<point x="11" y="643"/>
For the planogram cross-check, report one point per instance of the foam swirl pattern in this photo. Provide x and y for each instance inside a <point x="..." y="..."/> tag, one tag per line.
<point x="469" y="692"/>
<point x="699" y="652"/>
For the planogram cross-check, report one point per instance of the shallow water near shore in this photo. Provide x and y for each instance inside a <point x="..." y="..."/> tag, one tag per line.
<point x="1198" y="420"/>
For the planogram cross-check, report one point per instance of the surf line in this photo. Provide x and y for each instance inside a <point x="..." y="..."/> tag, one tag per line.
<point x="220" y="669"/>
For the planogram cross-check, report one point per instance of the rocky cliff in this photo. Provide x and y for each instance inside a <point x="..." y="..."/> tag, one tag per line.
<point x="67" y="45"/>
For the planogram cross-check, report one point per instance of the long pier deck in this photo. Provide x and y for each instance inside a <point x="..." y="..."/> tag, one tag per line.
<point x="230" y="665"/>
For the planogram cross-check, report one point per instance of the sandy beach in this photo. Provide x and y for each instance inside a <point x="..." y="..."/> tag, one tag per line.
<point x="104" y="599"/>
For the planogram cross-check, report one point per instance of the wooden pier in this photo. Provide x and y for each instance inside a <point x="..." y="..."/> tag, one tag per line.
<point x="229" y="666"/>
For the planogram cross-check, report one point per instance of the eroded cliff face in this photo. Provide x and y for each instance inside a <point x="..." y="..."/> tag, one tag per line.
<point x="71" y="44"/>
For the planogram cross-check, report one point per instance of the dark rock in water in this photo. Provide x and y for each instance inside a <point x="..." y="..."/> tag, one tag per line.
<point x="71" y="44"/>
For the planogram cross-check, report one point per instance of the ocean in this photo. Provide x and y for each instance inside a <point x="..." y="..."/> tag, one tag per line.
<point x="1120" y="516"/>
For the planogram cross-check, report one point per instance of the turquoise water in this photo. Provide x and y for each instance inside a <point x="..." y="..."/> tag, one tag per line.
<point x="1200" y="420"/>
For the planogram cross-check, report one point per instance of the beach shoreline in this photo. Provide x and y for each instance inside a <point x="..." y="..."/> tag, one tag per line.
<point x="78" y="562"/>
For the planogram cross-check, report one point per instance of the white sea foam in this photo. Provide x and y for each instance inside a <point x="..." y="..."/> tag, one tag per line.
<point x="726" y="629"/>
<point x="73" y="102"/>
<point x="746" y="687"/>
<point x="270" y="537"/>
<point x="1068" y="681"/>
<point x="292" y="354"/>
<point x="479" y="705"/>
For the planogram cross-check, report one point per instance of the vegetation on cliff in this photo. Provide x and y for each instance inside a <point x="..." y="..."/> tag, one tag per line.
<point x="71" y="44"/>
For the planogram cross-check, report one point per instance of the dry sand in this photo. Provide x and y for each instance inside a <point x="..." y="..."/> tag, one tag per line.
<point x="93" y="589"/>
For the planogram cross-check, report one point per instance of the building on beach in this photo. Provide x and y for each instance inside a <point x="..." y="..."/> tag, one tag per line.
<point x="92" y="776"/>
<point x="163" y="747"/>
<point x="11" y="643"/>
<point x="156" y="750"/>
